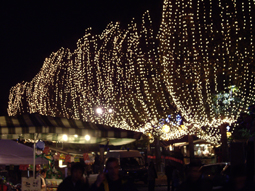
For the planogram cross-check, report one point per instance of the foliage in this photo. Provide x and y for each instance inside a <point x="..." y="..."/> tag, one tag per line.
<point x="225" y="100"/>
<point x="242" y="129"/>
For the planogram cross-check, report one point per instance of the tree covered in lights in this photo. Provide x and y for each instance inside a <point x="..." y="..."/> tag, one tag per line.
<point x="207" y="47"/>
<point x="112" y="79"/>
<point x="201" y="49"/>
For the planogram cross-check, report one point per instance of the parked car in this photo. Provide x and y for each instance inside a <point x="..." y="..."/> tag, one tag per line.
<point x="218" y="174"/>
<point x="132" y="165"/>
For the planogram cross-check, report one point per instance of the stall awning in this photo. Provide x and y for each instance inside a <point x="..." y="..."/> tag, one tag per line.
<point x="48" y="128"/>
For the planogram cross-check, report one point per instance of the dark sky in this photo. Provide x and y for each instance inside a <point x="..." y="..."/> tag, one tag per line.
<point x="32" y="29"/>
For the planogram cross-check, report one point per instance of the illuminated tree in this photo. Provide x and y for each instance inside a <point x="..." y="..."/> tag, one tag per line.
<point x="206" y="47"/>
<point x="112" y="79"/>
<point x="134" y="78"/>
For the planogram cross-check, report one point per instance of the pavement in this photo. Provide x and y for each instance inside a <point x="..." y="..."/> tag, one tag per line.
<point x="161" y="180"/>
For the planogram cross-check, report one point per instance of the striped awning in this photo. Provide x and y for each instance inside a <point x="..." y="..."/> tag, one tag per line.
<point x="30" y="126"/>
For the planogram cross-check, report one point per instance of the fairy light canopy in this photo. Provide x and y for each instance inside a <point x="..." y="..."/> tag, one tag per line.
<point x="111" y="79"/>
<point x="206" y="48"/>
<point x="134" y="77"/>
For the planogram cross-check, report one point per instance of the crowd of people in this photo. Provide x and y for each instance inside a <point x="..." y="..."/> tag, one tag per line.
<point x="190" y="179"/>
<point x="109" y="180"/>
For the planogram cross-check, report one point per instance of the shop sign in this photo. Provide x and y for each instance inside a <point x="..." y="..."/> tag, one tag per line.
<point x="30" y="184"/>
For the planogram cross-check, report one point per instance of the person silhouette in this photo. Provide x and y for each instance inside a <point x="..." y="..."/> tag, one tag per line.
<point x="110" y="180"/>
<point x="152" y="175"/>
<point x="169" y="173"/>
<point x="75" y="182"/>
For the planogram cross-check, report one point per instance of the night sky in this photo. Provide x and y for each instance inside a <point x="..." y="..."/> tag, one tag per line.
<point x="31" y="30"/>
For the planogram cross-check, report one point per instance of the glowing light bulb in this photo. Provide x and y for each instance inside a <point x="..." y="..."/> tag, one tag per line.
<point x="165" y="128"/>
<point x="99" y="110"/>
<point x="87" y="137"/>
<point x="65" y="137"/>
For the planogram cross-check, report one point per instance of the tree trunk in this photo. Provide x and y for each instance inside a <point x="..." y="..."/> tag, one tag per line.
<point x="224" y="143"/>
<point x="191" y="148"/>
<point x="158" y="154"/>
<point x="101" y="158"/>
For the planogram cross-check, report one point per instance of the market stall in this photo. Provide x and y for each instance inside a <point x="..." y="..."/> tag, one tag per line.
<point x="34" y="127"/>
<point x="47" y="128"/>
<point x="16" y="154"/>
<point x="203" y="151"/>
<point x="13" y="153"/>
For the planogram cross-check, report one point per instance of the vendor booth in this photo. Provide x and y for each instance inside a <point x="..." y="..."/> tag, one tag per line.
<point x="13" y="153"/>
<point x="203" y="151"/>
<point x="16" y="154"/>
<point x="35" y="127"/>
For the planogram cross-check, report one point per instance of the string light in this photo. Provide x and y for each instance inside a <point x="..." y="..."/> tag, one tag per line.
<point x="201" y="49"/>
<point x="207" y="47"/>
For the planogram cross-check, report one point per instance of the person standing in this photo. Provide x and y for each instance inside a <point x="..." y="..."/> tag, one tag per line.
<point x="110" y="180"/>
<point x="152" y="175"/>
<point x="169" y="173"/>
<point x="175" y="178"/>
<point x="88" y="169"/>
<point x="42" y="175"/>
<point x="75" y="182"/>
<point x="193" y="181"/>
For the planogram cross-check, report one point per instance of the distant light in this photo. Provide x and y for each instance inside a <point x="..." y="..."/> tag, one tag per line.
<point x="87" y="137"/>
<point x="165" y="128"/>
<point x="99" y="110"/>
<point x="110" y="110"/>
<point x="65" y="137"/>
<point x="75" y="136"/>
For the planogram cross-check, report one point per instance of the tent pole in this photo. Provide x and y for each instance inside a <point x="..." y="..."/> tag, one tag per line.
<point x="34" y="158"/>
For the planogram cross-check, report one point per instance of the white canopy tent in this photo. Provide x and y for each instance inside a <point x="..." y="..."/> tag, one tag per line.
<point x="13" y="153"/>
